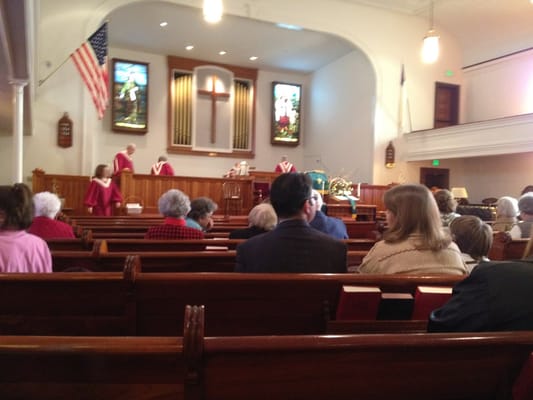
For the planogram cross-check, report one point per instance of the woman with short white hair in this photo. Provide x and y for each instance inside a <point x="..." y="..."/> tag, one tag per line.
<point x="47" y="205"/>
<point x="261" y="219"/>
<point x="506" y="213"/>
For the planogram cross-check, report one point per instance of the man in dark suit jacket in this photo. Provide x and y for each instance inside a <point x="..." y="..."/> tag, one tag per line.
<point x="292" y="246"/>
<point x="333" y="227"/>
<point x="497" y="296"/>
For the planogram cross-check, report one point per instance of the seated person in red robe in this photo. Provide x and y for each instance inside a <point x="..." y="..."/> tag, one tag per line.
<point x="174" y="206"/>
<point x="102" y="193"/>
<point x="47" y="205"/>
<point x="162" y="167"/>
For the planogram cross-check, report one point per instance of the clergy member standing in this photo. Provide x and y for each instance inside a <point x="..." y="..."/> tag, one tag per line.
<point x="285" y="166"/>
<point x="102" y="193"/>
<point x="123" y="160"/>
<point x="162" y="167"/>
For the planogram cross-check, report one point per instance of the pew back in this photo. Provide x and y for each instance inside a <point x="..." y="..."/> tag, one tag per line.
<point x="379" y="366"/>
<point x="74" y="303"/>
<point x="252" y="304"/>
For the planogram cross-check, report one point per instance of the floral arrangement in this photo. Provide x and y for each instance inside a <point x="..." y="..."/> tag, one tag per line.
<point x="340" y="187"/>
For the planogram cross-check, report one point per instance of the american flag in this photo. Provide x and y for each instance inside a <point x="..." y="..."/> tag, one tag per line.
<point x="91" y="60"/>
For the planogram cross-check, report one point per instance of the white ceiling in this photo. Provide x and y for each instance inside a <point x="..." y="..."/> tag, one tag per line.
<point x="485" y="29"/>
<point x="137" y="27"/>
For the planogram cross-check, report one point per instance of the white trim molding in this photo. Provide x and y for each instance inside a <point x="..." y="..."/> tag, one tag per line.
<point x="492" y="137"/>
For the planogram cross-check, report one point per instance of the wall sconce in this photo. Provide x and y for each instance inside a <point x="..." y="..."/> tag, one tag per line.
<point x="390" y="156"/>
<point x="212" y="11"/>
<point x="430" y="46"/>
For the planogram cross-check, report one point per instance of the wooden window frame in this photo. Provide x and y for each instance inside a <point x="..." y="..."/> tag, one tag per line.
<point x="186" y="65"/>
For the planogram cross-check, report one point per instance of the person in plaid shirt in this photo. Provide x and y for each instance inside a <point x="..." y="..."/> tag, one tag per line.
<point x="174" y="206"/>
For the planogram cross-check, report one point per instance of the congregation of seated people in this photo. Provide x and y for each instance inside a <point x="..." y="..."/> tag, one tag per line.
<point x="281" y="237"/>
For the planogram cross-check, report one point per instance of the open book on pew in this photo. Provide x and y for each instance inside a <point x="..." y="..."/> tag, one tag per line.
<point x="429" y="298"/>
<point x="358" y="302"/>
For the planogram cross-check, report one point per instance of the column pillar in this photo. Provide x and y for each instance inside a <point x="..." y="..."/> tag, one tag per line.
<point x="18" y="127"/>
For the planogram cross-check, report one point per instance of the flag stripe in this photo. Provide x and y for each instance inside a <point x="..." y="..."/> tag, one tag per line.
<point x="88" y="76"/>
<point x="91" y="61"/>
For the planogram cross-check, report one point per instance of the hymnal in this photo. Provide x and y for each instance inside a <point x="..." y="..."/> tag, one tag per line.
<point x="429" y="298"/>
<point x="358" y="302"/>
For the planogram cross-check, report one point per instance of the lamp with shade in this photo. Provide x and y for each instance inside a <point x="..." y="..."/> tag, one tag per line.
<point x="430" y="46"/>
<point x="460" y="194"/>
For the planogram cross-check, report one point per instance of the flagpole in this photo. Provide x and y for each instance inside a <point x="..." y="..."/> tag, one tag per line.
<point x="41" y="81"/>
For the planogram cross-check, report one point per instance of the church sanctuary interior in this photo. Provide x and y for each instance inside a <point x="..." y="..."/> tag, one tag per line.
<point x="363" y="95"/>
<point x="347" y="55"/>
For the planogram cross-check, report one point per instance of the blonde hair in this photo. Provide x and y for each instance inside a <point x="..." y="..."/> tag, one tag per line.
<point x="415" y="212"/>
<point x="263" y="216"/>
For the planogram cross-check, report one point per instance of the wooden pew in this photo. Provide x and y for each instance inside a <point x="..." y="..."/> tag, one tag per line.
<point x="363" y="229"/>
<point x="65" y="367"/>
<point x="251" y="304"/>
<point x="475" y="366"/>
<point x="87" y="368"/>
<point x="136" y="303"/>
<point x="164" y="260"/>
<point x="503" y="248"/>
<point x="75" y="303"/>
<point x="472" y="366"/>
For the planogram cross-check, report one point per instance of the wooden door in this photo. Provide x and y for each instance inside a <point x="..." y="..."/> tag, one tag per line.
<point x="435" y="177"/>
<point x="446" y="105"/>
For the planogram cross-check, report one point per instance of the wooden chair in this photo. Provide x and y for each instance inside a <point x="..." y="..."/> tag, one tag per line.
<point x="232" y="198"/>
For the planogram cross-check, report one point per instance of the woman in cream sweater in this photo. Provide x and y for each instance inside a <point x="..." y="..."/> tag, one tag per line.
<point x="415" y="242"/>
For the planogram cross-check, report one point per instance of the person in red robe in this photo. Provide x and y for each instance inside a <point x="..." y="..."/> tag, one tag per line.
<point x="102" y="193"/>
<point x="284" y="166"/>
<point x="123" y="160"/>
<point x="162" y="167"/>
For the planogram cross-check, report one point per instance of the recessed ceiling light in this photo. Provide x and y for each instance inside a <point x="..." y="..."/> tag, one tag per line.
<point x="253" y="58"/>
<point x="222" y="52"/>
<point x="163" y="24"/>
<point x="189" y="47"/>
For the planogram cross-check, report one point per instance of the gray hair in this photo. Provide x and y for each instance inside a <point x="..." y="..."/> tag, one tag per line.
<point x="174" y="203"/>
<point x="263" y="216"/>
<point x="46" y="204"/>
<point x="507" y="206"/>
<point x="202" y="206"/>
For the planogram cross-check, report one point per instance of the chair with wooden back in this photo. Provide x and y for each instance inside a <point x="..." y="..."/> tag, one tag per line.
<point x="232" y="198"/>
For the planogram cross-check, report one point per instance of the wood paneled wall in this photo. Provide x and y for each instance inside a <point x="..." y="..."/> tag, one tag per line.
<point x="144" y="189"/>
<point x="147" y="189"/>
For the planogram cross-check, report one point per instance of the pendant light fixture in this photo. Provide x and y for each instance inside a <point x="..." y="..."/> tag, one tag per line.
<point x="430" y="46"/>
<point x="212" y="11"/>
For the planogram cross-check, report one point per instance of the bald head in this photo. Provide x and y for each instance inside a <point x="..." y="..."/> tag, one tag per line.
<point x="131" y="148"/>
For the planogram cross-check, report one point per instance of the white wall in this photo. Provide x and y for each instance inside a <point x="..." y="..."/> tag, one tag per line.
<point x="494" y="176"/>
<point x="500" y="88"/>
<point x="340" y="119"/>
<point x="387" y="40"/>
